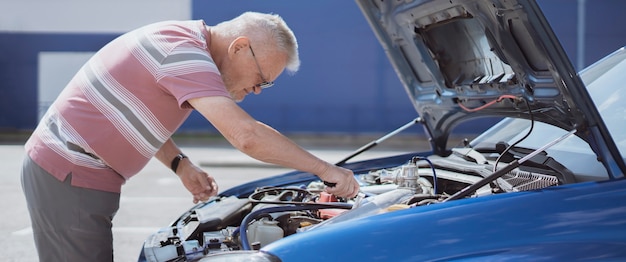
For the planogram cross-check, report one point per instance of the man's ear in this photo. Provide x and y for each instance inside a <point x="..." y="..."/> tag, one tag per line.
<point x="241" y="43"/>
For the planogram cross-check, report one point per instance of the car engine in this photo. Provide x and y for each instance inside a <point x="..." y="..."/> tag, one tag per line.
<point x="268" y="214"/>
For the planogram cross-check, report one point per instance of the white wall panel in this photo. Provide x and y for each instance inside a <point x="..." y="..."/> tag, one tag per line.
<point x="56" y="69"/>
<point x="88" y="16"/>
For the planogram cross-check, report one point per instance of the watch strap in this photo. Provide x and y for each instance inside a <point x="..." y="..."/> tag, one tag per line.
<point x="176" y="161"/>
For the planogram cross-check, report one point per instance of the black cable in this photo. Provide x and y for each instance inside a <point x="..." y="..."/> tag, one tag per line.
<point x="262" y="192"/>
<point x="532" y="125"/>
<point x="432" y="167"/>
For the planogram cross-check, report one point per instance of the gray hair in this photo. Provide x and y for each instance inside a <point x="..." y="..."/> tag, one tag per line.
<point x="263" y="27"/>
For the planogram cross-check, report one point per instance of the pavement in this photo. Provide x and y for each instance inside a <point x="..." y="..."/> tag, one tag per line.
<point x="155" y="197"/>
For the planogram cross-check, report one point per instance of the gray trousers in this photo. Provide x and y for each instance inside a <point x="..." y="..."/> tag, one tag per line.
<point x="69" y="223"/>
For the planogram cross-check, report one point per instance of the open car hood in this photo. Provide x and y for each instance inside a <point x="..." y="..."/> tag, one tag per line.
<point x="456" y="58"/>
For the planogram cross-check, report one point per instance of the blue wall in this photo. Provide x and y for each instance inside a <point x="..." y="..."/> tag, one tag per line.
<point x="18" y="71"/>
<point x="604" y="26"/>
<point x="345" y="83"/>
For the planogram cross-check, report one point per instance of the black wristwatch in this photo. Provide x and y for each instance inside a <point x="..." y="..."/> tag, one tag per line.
<point x="176" y="160"/>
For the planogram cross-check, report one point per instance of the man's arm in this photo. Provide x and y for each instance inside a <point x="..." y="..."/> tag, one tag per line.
<point x="199" y="183"/>
<point x="266" y="144"/>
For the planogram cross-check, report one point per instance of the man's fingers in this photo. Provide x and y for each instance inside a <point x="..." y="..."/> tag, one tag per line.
<point x="348" y="189"/>
<point x="202" y="194"/>
<point x="202" y="197"/>
<point x="214" y="188"/>
<point x="203" y="178"/>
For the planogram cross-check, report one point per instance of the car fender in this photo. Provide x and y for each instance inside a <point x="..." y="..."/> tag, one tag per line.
<point x="545" y="224"/>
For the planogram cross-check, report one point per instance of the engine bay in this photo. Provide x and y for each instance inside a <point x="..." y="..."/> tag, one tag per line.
<point x="230" y="223"/>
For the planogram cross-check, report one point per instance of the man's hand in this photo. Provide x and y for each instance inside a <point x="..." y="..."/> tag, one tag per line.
<point x="200" y="184"/>
<point x="340" y="181"/>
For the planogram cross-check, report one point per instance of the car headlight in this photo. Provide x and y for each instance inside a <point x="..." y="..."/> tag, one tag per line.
<point x="248" y="256"/>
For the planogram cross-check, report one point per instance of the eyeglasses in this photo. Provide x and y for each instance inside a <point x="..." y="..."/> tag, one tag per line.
<point x="264" y="84"/>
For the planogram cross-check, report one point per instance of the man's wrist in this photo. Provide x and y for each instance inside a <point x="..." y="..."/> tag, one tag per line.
<point x="323" y="169"/>
<point x="176" y="161"/>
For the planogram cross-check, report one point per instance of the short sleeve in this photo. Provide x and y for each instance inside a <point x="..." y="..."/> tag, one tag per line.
<point x="189" y="72"/>
<point x="193" y="85"/>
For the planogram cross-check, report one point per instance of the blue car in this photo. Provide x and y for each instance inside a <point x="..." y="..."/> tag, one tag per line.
<point x="544" y="183"/>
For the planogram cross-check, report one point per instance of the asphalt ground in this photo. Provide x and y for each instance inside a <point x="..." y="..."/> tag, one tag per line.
<point x="155" y="197"/>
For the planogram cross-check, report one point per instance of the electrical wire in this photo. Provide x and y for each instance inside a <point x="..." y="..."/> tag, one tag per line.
<point x="530" y="130"/>
<point x="530" y="112"/>
<point x="432" y="167"/>
<point x="262" y="192"/>
<point x="487" y="104"/>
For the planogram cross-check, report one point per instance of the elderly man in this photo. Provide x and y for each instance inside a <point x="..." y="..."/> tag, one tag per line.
<point x="123" y="105"/>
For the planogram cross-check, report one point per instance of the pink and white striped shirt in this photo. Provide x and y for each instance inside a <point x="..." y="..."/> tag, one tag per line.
<point x="124" y="103"/>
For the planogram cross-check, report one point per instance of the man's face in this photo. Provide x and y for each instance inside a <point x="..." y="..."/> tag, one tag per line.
<point x="250" y="70"/>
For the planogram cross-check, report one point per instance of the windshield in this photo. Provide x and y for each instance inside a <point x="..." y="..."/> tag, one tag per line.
<point x="605" y="82"/>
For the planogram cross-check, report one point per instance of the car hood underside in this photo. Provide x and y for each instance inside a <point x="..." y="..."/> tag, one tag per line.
<point x="461" y="60"/>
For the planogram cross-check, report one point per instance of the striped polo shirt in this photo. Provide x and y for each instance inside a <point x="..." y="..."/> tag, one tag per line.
<point x="124" y="103"/>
